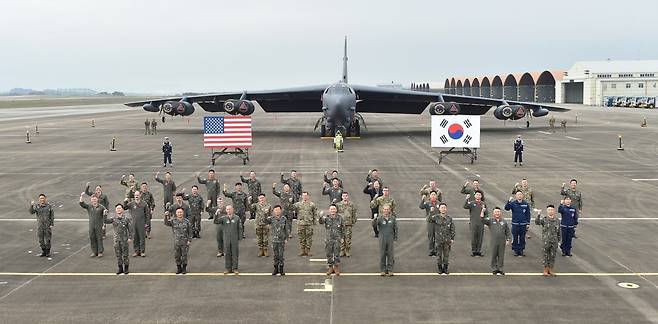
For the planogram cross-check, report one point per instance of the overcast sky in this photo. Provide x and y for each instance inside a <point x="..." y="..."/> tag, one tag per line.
<point x="194" y="45"/>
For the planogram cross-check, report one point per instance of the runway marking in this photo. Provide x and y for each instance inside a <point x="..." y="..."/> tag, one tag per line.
<point x="573" y="138"/>
<point x="543" y="132"/>
<point x="644" y="179"/>
<point x="410" y="219"/>
<point x="322" y="274"/>
<point x="318" y="260"/>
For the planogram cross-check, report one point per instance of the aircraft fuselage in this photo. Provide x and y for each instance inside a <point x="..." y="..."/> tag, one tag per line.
<point x="339" y="107"/>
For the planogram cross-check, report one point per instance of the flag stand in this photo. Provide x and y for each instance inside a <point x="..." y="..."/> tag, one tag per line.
<point x="473" y="152"/>
<point x="242" y="153"/>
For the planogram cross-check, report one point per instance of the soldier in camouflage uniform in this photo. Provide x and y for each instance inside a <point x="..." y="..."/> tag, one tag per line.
<point x="216" y="213"/>
<point x="147" y="198"/>
<point x="335" y="227"/>
<point x="182" y="230"/>
<point x="388" y="230"/>
<point x="307" y="214"/>
<point x="212" y="186"/>
<point x="130" y="184"/>
<point x="379" y="202"/>
<point x="430" y="203"/>
<point x="240" y="202"/>
<point x="347" y="209"/>
<point x="373" y="175"/>
<point x="475" y="207"/>
<point x="196" y="208"/>
<point x="97" y="214"/>
<point x="334" y="175"/>
<point x="232" y="234"/>
<point x="444" y="235"/>
<point x="470" y="188"/>
<point x="294" y="183"/>
<point x="45" y="222"/>
<point x="576" y="198"/>
<point x="255" y="189"/>
<point x="102" y="199"/>
<point x="550" y="236"/>
<point x="501" y="236"/>
<point x="263" y="210"/>
<point x="123" y="234"/>
<point x="140" y="213"/>
<point x="334" y="192"/>
<point x="168" y="187"/>
<point x="286" y="199"/>
<point x="280" y="233"/>
<point x="154" y="127"/>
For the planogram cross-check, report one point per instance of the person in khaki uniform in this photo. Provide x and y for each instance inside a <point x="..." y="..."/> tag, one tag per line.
<point x="347" y="209"/>
<point x="263" y="210"/>
<point x="307" y="214"/>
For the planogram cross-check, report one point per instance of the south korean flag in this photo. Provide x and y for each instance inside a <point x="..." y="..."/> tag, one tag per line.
<point x="456" y="131"/>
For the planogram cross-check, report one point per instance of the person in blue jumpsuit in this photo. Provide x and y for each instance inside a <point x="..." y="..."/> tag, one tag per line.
<point x="520" y="221"/>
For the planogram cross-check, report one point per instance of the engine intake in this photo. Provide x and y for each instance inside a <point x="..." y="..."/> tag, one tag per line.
<point x="503" y="112"/>
<point x="182" y="108"/>
<point x="150" y="107"/>
<point x="242" y="107"/>
<point x="444" y="108"/>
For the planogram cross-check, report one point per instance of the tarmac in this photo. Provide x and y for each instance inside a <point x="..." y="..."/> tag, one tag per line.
<point x="616" y="241"/>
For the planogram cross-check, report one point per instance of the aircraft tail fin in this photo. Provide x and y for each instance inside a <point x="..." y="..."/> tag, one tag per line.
<point x="345" y="62"/>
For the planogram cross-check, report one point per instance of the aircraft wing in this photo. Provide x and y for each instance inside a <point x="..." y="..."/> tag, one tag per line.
<point x="387" y="100"/>
<point x="299" y="99"/>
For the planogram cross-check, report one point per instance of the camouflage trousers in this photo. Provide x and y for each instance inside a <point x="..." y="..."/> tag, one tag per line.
<point x="332" y="248"/>
<point x="442" y="252"/>
<point x="220" y="238"/>
<point x="121" y="251"/>
<point x="180" y="253"/>
<point x="44" y="235"/>
<point x="277" y="249"/>
<point x="289" y="217"/>
<point x="347" y="242"/>
<point x="96" y="239"/>
<point x="305" y="233"/>
<point x="550" y="250"/>
<point x="195" y="220"/>
<point x="262" y="235"/>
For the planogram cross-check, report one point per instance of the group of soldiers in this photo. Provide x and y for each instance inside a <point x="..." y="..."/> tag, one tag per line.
<point x="150" y="127"/>
<point x="273" y="222"/>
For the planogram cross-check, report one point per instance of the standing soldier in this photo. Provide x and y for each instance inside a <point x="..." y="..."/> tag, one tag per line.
<point x="334" y="193"/>
<point x="347" y="210"/>
<point x="568" y="224"/>
<point x="388" y="227"/>
<point x="179" y="204"/>
<point x="307" y="213"/>
<point x="501" y="236"/>
<point x="154" y="125"/>
<point x="167" y="150"/>
<point x="232" y="227"/>
<point x="433" y="186"/>
<point x="550" y="234"/>
<point x="102" y="199"/>
<point x="518" y="150"/>
<point x="212" y="186"/>
<point x="444" y="236"/>
<point x="216" y="214"/>
<point x="263" y="210"/>
<point x="470" y="188"/>
<point x="240" y="203"/>
<point x="373" y="189"/>
<point x="425" y="192"/>
<point x="527" y="194"/>
<point x="379" y="202"/>
<point x="294" y="183"/>
<point x="475" y="209"/>
<point x="286" y="199"/>
<point x="168" y="187"/>
<point x="373" y="175"/>
<point x="182" y="230"/>
<point x="45" y="222"/>
<point x="140" y="213"/>
<point x="334" y="175"/>
<point x="576" y="198"/>
<point x="520" y="222"/>
<point x="254" y="189"/>
<point x="148" y="199"/>
<point x="196" y="204"/>
<point x="551" y="123"/>
<point x="563" y="123"/>
<point x="97" y="214"/>
<point x="147" y="127"/>
<point x="123" y="235"/>
<point x="130" y="184"/>
<point x="280" y="233"/>
<point x="431" y="206"/>
<point x="334" y="225"/>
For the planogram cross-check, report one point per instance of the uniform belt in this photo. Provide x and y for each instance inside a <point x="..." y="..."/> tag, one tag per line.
<point x="568" y="226"/>
<point x="520" y="223"/>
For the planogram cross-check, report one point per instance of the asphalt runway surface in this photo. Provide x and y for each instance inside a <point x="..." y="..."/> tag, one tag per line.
<point x="616" y="237"/>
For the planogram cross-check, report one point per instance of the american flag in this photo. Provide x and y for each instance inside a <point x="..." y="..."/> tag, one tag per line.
<point x="227" y="132"/>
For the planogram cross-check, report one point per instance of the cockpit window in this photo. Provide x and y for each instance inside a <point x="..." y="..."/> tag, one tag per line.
<point x="339" y="89"/>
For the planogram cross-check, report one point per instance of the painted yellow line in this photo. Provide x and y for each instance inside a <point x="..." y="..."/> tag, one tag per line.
<point x="308" y="274"/>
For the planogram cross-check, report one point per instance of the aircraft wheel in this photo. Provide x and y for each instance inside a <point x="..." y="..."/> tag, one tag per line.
<point x="323" y="131"/>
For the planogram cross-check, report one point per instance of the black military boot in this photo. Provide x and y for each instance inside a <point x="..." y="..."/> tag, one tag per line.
<point x="184" y="268"/>
<point x="180" y="269"/>
<point x="276" y="270"/>
<point x="439" y="269"/>
<point x="48" y="253"/>
<point x="281" y="272"/>
<point x="125" y="269"/>
<point x="445" y="269"/>
<point x="120" y="270"/>
<point x="43" y="253"/>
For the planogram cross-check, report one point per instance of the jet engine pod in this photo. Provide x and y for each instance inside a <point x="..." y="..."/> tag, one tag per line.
<point x="184" y="108"/>
<point x="503" y="112"/>
<point x="444" y="108"/>
<point x="518" y="112"/>
<point x="246" y="108"/>
<point x="168" y="107"/>
<point x="540" y="112"/>
<point x="231" y="106"/>
<point x="150" y="107"/>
